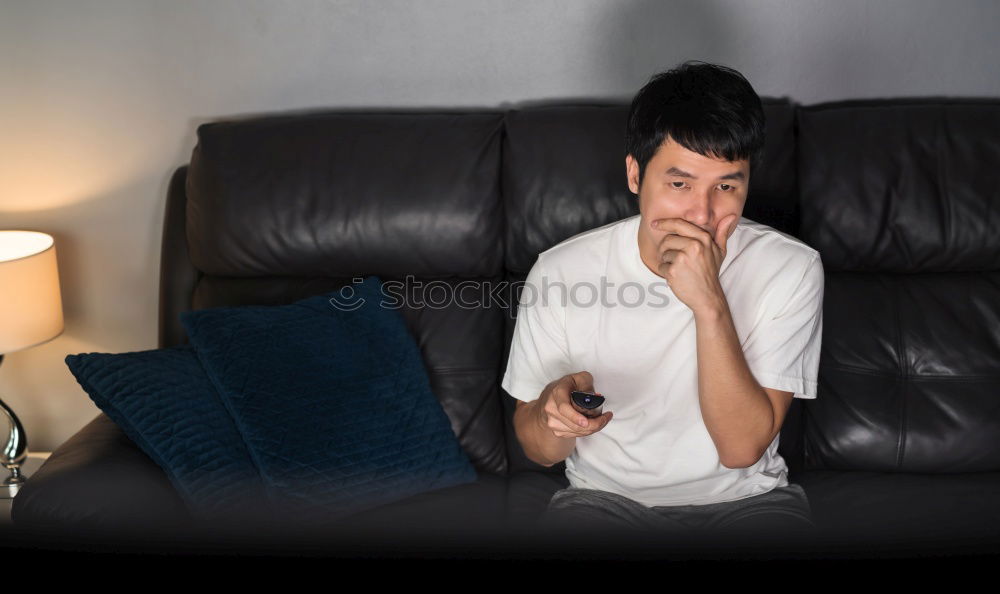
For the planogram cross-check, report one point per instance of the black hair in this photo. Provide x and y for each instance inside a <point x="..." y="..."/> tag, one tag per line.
<point x="706" y="108"/>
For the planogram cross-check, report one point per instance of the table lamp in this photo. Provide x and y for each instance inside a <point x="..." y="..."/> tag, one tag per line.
<point x="30" y="314"/>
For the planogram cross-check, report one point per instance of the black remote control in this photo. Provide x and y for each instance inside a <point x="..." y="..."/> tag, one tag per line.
<point x="587" y="403"/>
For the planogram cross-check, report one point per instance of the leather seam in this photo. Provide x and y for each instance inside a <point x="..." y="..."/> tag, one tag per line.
<point x="904" y="380"/>
<point x="914" y="378"/>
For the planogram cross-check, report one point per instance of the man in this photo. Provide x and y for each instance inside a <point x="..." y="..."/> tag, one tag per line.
<point x="706" y="326"/>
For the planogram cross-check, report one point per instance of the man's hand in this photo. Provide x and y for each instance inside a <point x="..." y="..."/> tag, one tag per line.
<point x="690" y="259"/>
<point x="556" y="412"/>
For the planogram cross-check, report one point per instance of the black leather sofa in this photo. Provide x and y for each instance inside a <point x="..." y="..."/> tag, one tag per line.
<point x="898" y="454"/>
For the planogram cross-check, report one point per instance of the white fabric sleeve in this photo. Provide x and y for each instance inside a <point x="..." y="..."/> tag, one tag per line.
<point x="783" y="351"/>
<point x="538" y="349"/>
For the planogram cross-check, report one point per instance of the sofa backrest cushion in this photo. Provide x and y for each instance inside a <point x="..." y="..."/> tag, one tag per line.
<point x="338" y="194"/>
<point x="901" y="186"/>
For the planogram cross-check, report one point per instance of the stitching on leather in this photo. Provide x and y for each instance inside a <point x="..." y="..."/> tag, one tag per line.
<point x="904" y="379"/>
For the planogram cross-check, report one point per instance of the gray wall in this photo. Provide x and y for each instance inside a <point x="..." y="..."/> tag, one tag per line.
<point x="99" y="101"/>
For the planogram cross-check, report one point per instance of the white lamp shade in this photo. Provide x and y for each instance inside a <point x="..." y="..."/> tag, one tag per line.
<point x="30" y="301"/>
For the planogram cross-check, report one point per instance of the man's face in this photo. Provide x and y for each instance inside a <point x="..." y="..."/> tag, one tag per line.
<point x="682" y="184"/>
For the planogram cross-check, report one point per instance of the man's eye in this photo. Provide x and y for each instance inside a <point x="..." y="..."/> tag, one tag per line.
<point x="678" y="187"/>
<point x="727" y="186"/>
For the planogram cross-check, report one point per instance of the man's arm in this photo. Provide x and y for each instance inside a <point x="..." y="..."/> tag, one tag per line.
<point x="539" y="443"/>
<point x="741" y="416"/>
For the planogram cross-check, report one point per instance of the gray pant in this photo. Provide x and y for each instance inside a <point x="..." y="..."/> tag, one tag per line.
<point x="781" y="511"/>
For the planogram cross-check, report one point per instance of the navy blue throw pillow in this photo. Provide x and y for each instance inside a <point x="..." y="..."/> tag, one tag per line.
<point x="332" y="400"/>
<point x="163" y="401"/>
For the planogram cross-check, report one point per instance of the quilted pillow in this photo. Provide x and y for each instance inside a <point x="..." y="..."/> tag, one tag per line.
<point x="332" y="400"/>
<point x="165" y="404"/>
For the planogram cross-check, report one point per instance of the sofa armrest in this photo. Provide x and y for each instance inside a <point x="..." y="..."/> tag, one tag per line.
<point x="98" y="483"/>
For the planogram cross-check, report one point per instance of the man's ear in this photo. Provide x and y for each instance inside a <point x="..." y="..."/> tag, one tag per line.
<point x="632" y="173"/>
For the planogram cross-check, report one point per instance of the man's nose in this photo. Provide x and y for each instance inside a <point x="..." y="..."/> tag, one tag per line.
<point x="700" y="212"/>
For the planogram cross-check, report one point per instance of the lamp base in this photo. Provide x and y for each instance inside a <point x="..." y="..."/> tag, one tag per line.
<point x="13" y="483"/>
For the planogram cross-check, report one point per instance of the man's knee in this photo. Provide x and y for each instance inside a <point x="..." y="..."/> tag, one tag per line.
<point x="592" y="512"/>
<point x="769" y="525"/>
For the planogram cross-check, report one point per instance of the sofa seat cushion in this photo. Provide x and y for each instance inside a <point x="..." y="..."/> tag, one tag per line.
<point x="99" y="482"/>
<point x="99" y="489"/>
<point x="460" y="516"/>
<point x="907" y="511"/>
<point x="528" y="494"/>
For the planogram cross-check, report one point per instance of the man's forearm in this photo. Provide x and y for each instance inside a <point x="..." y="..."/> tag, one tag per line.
<point x="736" y="409"/>
<point x="538" y="442"/>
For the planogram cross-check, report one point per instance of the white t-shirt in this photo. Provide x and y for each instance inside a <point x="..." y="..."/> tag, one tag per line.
<point x="639" y="343"/>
